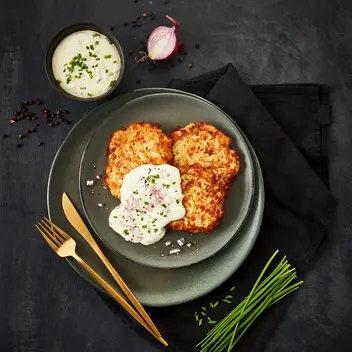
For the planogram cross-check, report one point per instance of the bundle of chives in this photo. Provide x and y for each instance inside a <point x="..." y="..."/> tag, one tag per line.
<point x="264" y="294"/>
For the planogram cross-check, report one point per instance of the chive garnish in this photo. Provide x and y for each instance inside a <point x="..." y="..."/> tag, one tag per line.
<point x="96" y="35"/>
<point x="265" y="292"/>
<point x="196" y="316"/>
<point x="90" y="94"/>
<point x="144" y="226"/>
<point x="112" y="83"/>
<point x="200" y="322"/>
<point x="126" y="232"/>
<point x="115" y="62"/>
<point x="226" y="301"/>
<point x="163" y="205"/>
<point x="107" y="56"/>
<point x="177" y="201"/>
<point x="232" y="288"/>
<point x="204" y="308"/>
<point x="96" y="42"/>
<point x="203" y="314"/>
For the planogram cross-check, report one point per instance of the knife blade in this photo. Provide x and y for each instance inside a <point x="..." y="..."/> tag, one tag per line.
<point x="76" y="221"/>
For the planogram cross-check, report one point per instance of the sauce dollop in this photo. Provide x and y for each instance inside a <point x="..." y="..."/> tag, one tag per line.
<point x="151" y="197"/>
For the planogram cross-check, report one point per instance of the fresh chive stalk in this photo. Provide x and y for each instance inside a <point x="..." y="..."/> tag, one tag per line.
<point x="265" y="292"/>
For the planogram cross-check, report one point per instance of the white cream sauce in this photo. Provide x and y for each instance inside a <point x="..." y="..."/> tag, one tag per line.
<point x="86" y="64"/>
<point x="151" y="197"/>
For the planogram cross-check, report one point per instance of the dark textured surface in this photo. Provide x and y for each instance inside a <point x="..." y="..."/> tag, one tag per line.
<point x="276" y="42"/>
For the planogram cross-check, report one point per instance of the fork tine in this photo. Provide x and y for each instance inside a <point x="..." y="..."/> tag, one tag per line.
<point x="56" y="234"/>
<point x="59" y="242"/>
<point x="49" y="241"/>
<point x="57" y="228"/>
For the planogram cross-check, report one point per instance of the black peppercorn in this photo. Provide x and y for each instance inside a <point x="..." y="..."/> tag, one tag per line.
<point x="37" y="125"/>
<point x="138" y="17"/>
<point x="139" y="24"/>
<point x="68" y="122"/>
<point x="27" y="132"/>
<point x="165" y="2"/>
<point x="125" y="23"/>
<point x="37" y="101"/>
<point x="130" y="52"/>
<point x="40" y="144"/>
<point x="138" y="81"/>
<point x="5" y="136"/>
<point x="46" y="111"/>
<point x="26" y="102"/>
<point x="32" y="130"/>
<point x="112" y="28"/>
<point x="190" y="65"/>
<point x="20" y="136"/>
<point x="50" y="124"/>
<point x="197" y="46"/>
<point x="19" y="145"/>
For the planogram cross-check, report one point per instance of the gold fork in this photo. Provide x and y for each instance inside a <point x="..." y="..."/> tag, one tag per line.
<point x="65" y="246"/>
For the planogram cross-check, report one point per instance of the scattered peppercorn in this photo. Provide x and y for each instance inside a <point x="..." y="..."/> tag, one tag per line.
<point x="20" y="136"/>
<point x="179" y="59"/>
<point x="37" y="125"/>
<point x="130" y="52"/>
<point x="190" y="65"/>
<point x="19" y="145"/>
<point x="197" y="46"/>
<point x="138" y="17"/>
<point x="138" y="24"/>
<point x="112" y="28"/>
<point x="125" y="23"/>
<point x="40" y="144"/>
<point x="34" y="118"/>
<point x="185" y="53"/>
<point x="5" y="136"/>
<point x="165" y="2"/>
<point x="26" y="102"/>
<point x="38" y="101"/>
<point x="138" y="81"/>
<point x="27" y="132"/>
<point x="46" y="111"/>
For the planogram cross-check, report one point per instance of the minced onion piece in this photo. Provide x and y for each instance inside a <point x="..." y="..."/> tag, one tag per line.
<point x="162" y="41"/>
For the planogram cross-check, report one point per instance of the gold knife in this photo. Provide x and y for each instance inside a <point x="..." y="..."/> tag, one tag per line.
<point x="76" y="221"/>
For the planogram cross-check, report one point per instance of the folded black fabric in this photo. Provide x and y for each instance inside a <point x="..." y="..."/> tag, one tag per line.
<point x="286" y="124"/>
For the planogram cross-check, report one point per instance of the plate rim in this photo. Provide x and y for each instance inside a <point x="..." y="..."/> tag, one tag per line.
<point x="209" y="289"/>
<point x="252" y="186"/>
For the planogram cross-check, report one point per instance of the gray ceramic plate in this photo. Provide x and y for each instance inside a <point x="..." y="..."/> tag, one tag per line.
<point x="168" y="110"/>
<point x="153" y="287"/>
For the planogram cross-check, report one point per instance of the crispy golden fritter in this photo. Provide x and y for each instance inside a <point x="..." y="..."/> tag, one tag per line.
<point x="201" y="143"/>
<point x="203" y="200"/>
<point x="138" y="144"/>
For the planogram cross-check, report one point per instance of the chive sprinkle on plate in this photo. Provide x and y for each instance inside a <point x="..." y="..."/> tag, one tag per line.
<point x="226" y="333"/>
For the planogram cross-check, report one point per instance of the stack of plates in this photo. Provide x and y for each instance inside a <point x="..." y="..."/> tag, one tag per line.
<point x="157" y="279"/>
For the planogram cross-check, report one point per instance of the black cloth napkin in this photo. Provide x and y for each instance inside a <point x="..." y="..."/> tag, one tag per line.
<point x="287" y="126"/>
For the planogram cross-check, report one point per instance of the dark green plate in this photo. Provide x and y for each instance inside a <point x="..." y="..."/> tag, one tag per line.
<point x="153" y="287"/>
<point x="168" y="110"/>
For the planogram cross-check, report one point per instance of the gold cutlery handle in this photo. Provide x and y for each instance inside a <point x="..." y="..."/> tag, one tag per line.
<point x="117" y="297"/>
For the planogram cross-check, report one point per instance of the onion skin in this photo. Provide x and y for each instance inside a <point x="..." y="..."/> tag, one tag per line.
<point x="158" y="34"/>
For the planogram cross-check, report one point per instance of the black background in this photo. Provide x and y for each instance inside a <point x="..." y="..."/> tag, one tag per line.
<point x="44" y="305"/>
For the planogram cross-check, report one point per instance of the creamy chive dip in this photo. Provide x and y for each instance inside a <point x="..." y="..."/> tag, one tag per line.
<point x="151" y="197"/>
<point x="86" y="64"/>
